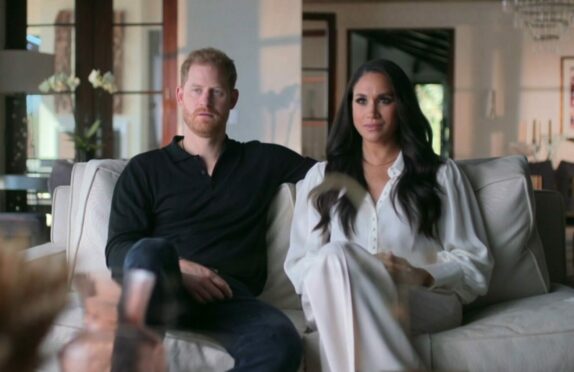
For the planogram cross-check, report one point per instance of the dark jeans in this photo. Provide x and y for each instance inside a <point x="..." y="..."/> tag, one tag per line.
<point x="258" y="336"/>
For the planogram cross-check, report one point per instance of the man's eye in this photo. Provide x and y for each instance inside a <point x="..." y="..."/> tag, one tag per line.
<point x="196" y="90"/>
<point x="218" y="93"/>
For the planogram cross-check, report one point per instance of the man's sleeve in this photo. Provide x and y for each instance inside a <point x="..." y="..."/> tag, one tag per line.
<point x="130" y="216"/>
<point x="292" y="166"/>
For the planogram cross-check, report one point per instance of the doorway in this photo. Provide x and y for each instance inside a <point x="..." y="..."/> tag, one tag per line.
<point x="427" y="57"/>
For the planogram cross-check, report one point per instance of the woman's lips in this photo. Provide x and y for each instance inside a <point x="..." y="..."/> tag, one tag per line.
<point x="371" y="127"/>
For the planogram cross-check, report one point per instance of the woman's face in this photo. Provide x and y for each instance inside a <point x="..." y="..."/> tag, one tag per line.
<point x="375" y="108"/>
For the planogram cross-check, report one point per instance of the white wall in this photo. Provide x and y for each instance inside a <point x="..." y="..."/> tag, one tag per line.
<point x="263" y="37"/>
<point x="489" y="55"/>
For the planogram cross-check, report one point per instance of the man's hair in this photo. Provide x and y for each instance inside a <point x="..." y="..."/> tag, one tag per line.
<point x="212" y="57"/>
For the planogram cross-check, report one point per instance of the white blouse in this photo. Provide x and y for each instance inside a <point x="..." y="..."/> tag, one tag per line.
<point x="458" y="262"/>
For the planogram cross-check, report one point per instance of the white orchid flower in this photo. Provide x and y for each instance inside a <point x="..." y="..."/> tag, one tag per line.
<point x="95" y="78"/>
<point x="109" y="83"/>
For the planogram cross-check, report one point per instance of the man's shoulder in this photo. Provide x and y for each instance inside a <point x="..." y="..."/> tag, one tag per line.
<point x="148" y="160"/>
<point x="266" y="147"/>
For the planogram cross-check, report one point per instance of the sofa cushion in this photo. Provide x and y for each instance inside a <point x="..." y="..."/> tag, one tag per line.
<point x="90" y="214"/>
<point x="529" y="334"/>
<point x="278" y="289"/>
<point x="505" y="196"/>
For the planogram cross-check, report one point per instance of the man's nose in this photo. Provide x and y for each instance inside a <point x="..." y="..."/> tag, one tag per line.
<point x="206" y="98"/>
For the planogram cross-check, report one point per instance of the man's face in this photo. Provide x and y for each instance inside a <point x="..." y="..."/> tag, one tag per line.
<point x="206" y="100"/>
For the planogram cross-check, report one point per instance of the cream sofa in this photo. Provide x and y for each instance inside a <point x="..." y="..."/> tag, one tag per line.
<point x="523" y="323"/>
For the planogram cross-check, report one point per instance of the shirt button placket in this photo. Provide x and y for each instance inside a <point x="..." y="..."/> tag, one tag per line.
<point x="373" y="242"/>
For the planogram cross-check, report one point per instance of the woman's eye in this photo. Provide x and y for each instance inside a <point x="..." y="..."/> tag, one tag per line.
<point x="386" y="100"/>
<point x="360" y="101"/>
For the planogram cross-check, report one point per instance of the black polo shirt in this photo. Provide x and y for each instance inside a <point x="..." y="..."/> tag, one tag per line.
<point x="217" y="221"/>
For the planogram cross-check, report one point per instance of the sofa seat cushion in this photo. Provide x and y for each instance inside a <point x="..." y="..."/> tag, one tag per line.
<point x="186" y="351"/>
<point x="529" y="334"/>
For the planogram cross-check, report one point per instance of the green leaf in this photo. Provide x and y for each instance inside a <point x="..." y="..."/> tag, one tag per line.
<point x="93" y="129"/>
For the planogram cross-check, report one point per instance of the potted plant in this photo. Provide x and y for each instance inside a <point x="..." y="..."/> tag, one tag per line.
<point x="85" y="141"/>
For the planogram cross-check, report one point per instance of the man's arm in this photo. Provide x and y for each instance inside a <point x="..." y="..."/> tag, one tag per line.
<point x="291" y="166"/>
<point x="130" y="215"/>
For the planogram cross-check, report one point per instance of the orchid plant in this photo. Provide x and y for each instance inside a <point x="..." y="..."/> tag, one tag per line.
<point x="64" y="83"/>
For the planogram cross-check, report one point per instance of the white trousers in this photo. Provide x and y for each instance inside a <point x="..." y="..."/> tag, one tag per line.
<point x="351" y="300"/>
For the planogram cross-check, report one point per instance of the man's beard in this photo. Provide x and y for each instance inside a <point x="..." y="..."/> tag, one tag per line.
<point x="204" y="128"/>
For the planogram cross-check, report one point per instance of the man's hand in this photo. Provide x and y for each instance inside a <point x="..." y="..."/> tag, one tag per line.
<point x="403" y="272"/>
<point x="202" y="283"/>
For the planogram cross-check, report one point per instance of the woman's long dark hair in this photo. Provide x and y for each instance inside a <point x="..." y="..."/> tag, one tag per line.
<point x="417" y="189"/>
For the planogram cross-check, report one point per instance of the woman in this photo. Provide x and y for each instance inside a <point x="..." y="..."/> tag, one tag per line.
<point x="409" y="248"/>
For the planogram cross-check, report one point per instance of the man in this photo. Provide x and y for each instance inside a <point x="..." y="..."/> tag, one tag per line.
<point x="194" y="213"/>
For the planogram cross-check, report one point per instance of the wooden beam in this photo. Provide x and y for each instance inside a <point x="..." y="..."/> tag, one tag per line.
<point x="170" y="69"/>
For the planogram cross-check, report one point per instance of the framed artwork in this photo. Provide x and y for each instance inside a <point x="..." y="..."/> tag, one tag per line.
<point x="567" y="96"/>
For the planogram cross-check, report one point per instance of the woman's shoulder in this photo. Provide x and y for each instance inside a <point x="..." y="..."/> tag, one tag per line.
<point x="318" y="169"/>
<point x="449" y="171"/>
<point x="315" y="174"/>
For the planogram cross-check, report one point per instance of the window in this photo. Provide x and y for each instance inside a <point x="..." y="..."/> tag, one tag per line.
<point x="140" y="49"/>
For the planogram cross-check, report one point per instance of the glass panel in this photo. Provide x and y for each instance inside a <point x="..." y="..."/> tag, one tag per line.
<point x="315" y="45"/>
<point x="314" y="139"/>
<point x="59" y="41"/>
<point x="142" y="11"/>
<point x="138" y="127"/>
<point x="50" y="124"/>
<point x="314" y="94"/>
<point x="50" y="12"/>
<point x="138" y="48"/>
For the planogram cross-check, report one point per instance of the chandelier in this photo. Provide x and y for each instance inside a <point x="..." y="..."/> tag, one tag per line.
<point x="545" y="20"/>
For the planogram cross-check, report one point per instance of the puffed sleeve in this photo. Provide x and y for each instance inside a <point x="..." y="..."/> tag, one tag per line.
<point x="464" y="265"/>
<point x="305" y="242"/>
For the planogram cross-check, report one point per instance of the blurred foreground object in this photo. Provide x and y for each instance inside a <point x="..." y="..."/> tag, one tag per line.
<point x="31" y="296"/>
<point x="109" y="345"/>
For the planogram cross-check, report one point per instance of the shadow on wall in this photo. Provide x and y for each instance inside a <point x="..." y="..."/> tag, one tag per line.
<point x="276" y="104"/>
<point x="264" y="45"/>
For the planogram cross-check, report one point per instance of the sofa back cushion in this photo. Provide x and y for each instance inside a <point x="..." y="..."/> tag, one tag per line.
<point x="278" y="290"/>
<point x="92" y="189"/>
<point x="504" y="193"/>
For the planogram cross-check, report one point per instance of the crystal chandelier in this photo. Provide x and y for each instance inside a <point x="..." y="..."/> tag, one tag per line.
<point x="545" y="20"/>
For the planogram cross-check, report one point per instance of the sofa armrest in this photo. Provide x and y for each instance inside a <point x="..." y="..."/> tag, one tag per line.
<point x="60" y="213"/>
<point x="551" y="223"/>
<point x="45" y="250"/>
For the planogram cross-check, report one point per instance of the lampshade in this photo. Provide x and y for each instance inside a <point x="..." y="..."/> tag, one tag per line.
<point x="21" y="71"/>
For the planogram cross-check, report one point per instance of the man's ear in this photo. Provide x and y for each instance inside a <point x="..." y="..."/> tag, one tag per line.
<point x="179" y="95"/>
<point x="234" y="97"/>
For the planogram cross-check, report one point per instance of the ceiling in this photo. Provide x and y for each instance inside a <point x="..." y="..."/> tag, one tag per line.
<point x="431" y="46"/>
